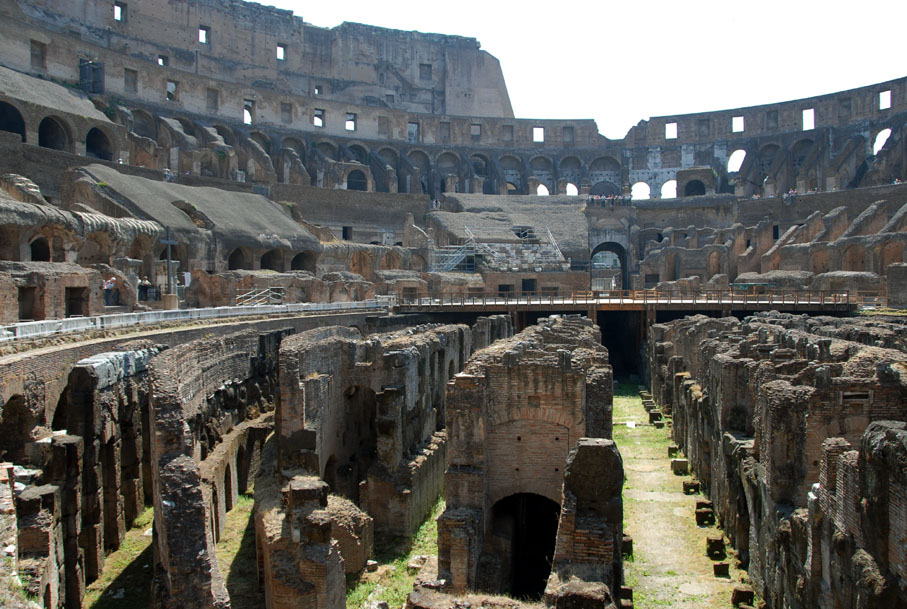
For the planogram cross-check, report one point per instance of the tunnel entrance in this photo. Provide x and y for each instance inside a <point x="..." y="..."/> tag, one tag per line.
<point x="623" y="333"/>
<point x="529" y="522"/>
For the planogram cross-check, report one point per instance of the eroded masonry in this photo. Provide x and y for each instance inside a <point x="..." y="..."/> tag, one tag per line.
<point x="239" y="251"/>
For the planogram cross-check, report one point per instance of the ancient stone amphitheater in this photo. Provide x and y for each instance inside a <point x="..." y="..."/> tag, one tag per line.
<point x="242" y="255"/>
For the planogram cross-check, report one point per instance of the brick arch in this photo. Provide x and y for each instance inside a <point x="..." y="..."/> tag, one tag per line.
<point x="854" y="258"/>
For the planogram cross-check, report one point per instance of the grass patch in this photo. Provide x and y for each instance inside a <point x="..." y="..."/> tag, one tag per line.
<point x="392" y="582"/>
<point x="125" y="581"/>
<point x="236" y="555"/>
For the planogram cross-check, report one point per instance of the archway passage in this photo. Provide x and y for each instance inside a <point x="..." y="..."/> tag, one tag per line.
<point x="237" y="260"/>
<point x="40" y="250"/>
<point x="356" y="181"/>
<point x="271" y="261"/>
<point x="98" y="146"/>
<point x="356" y="446"/>
<point x="304" y="261"/>
<point x="604" y="257"/>
<point x="11" y="120"/>
<point x="604" y="189"/>
<point x="52" y="134"/>
<point x="694" y="188"/>
<point x="529" y="521"/>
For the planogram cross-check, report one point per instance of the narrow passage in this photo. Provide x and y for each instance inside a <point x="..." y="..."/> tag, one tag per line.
<point x="669" y="568"/>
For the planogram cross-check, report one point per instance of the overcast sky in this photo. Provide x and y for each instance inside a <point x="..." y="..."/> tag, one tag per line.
<point x="621" y="61"/>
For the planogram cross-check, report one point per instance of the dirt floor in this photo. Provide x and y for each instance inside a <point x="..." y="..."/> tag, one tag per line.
<point x="669" y="567"/>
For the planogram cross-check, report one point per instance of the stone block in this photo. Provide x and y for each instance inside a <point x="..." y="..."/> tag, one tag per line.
<point x="721" y="569"/>
<point x="714" y="547"/>
<point x="704" y="504"/>
<point x="742" y="595"/>
<point x="705" y="517"/>
<point x="626" y="546"/>
<point x="659" y="424"/>
<point x="672" y="451"/>
<point x="691" y="487"/>
<point x="680" y="467"/>
<point x="654" y="415"/>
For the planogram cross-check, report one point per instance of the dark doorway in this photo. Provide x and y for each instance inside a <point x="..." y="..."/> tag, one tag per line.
<point x="528" y="286"/>
<point x="40" y="250"/>
<point x="694" y="188"/>
<point x="623" y="335"/>
<point x="358" y="446"/>
<point x="76" y="302"/>
<point x="98" y="146"/>
<point x="304" y="262"/>
<point x="11" y="120"/>
<point x="28" y="297"/>
<point x="530" y="522"/>
<point x="52" y="134"/>
<point x="236" y="261"/>
<point x="356" y="181"/>
<point x="271" y="261"/>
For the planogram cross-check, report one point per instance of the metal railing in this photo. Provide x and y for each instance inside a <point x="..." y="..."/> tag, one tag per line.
<point x="263" y="296"/>
<point x="869" y="300"/>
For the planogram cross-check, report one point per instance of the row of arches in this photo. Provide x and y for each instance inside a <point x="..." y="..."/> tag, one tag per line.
<point x="56" y="133"/>
<point x="242" y="258"/>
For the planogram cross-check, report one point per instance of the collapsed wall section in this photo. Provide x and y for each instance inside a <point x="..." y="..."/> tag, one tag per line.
<point x="768" y="410"/>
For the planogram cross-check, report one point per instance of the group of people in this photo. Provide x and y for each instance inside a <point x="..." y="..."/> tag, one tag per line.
<point x="608" y="200"/>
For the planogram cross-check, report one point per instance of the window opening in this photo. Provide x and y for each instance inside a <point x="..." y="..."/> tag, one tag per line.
<point x="350" y="121"/>
<point x="538" y="134"/>
<point x="809" y="119"/>
<point x="737" y="124"/>
<point x="670" y="131"/>
<point x="318" y="117"/>
<point x="204" y="34"/>
<point x="885" y="100"/>
<point x="281" y="52"/>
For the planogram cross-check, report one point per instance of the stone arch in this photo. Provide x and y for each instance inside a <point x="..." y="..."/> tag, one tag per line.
<point x="15" y="428"/>
<point x="356" y="180"/>
<point x="98" y="145"/>
<point x="714" y="265"/>
<point x="640" y="190"/>
<point x="448" y="164"/>
<point x="358" y="153"/>
<point x="621" y="252"/>
<point x="890" y="253"/>
<point x="529" y="522"/>
<point x="542" y="168"/>
<point x="669" y="190"/>
<point x="96" y="249"/>
<point x="226" y="133"/>
<point x="854" y="258"/>
<point x="144" y="124"/>
<point x="54" y="133"/>
<point x="694" y="188"/>
<point x="766" y="157"/>
<point x="361" y="263"/>
<point x="735" y="160"/>
<point x="272" y="260"/>
<point x="571" y="169"/>
<point x="417" y="263"/>
<point x="480" y="165"/>
<point x="11" y="119"/>
<point x="511" y="169"/>
<point x="799" y="153"/>
<point x="262" y="139"/>
<point x="228" y="488"/>
<point x="186" y="125"/>
<point x="820" y="261"/>
<point x="419" y="160"/>
<point x="328" y="149"/>
<point x="880" y="139"/>
<point x="352" y="441"/>
<point x="571" y="189"/>
<point x="40" y="249"/>
<point x="294" y="144"/>
<point x="390" y="261"/>
<point x="239" y="259"/>
<point x="304" y="261"/>
<point x="140" y="249"/>
<point x="604" y="164"/>
<point x="604" y="188"/>
<point x="389" y="156"/>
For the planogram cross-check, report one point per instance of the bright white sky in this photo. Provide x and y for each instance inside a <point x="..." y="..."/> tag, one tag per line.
<point x="621" y="61"/>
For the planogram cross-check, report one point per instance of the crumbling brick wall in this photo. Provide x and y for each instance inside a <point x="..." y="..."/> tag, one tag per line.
<point x="753" y="404"/>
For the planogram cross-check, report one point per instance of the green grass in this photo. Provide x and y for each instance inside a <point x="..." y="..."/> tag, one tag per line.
<point x="236" y="555"/>
<point x="393" y="581"/>
<point x="127" y="571"/>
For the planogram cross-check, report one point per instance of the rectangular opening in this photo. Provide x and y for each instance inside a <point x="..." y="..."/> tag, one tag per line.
<point x="172" y="90"/>
<point x="507" y="133"/>
<point x="776" y="232"/>
<point x="737" y="124"/>
<point x="350" y="123"/>
<point x="204" y="34"/>
<point x="528" y="285"/>
<point x="410" y="294"/>
<point x="670" y="131"/>
<point x="856" y="397"/>
<point x="163" y="60"/>
<point x="567" y="135"/>
<point x="76" y="302"/>
<point x="319" y="89"/>
<point x="538" y="134"/>
<point x="119" y="12"/>
<point x="652" y="278"/>
<point x="346" y="233"/>
<point x="475" y="130"/>
<point x="318" y="117"/>
<point x="504" y="289"/>
<point x="383" y="126"/>
<point x="809" y="119"/>
<point x="424" y="71"/>
<point x="212" y="100"/>
<point x="27" y="301"/>
<point x="286" y="113"/>
<point x="884" y="100"/>
<point x="412" y="133"/>
<point x="38" y="55"/>
<point x="444" y="132"/>
<point x="281" y="52"/>
<point x="248" y="111"/>
<point x="130" y="80"/>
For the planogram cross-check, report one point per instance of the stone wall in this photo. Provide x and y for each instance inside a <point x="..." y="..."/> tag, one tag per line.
<point x="755" y="405"/>
<point x="515" y="413"/>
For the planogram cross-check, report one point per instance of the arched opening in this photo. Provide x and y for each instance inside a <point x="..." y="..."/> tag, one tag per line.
<point x="669" y="190"/>
<point x="390" y="261"/>
<point x="479" y="165"/>
<point x="262" y="140"/>
<point x="571" y="169"/>
<point x="543" y="170"/>
<point x="767" y="157"/>
<point x="389" y="156"/>
<point x="512" y="189"/>
<point x="511" y="169"/>
<point x="800" y="153"/>
<point x="272" y="261"/>
<point x="820" y="261"/>
<point x="891" y="253"/>
<point x="880" y="140"/>
<point x="735" y="161"/>
<point x="237" y="260"/>
<point x="361" y="264"/>
<point x="40" y="250"/>
<point x="571" y="190"/>
<point x="609" y="267"/>
<point x="304" y="261"/>
<point x="228" y="489"/>
<point x="15" y="429"/>
<point x="226" y="133"/>
<point x="527" y="523"/>
<point x="542" y="191"/>
<point x="11" y="120"/>
<point x="53" y="134"/>
<point x="605" y="189"/>
<point x="694" y="188"/>
<point x="328" y="150"/>
<point x="640" y="190"/>
<point x="143" y="124"/>
<point x="98" y="146"/>
<point x="358" y="154"/>
<point x="714" y="266"/>
<point x="356" y="180"/>
<point x="854" y="259"/>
